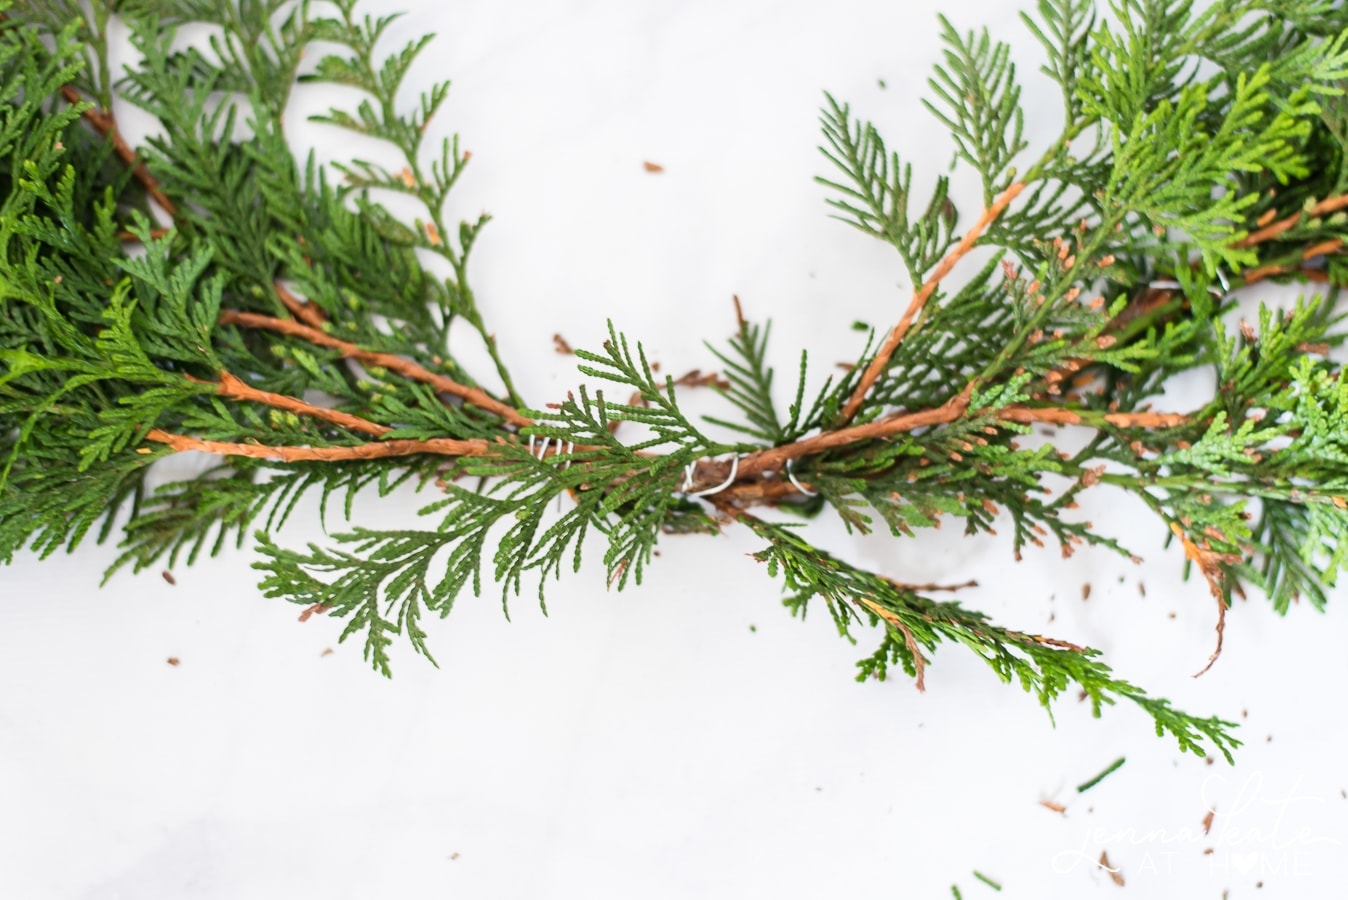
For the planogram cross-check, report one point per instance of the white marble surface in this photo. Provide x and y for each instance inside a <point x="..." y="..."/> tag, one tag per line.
<point x="651" y="744"/>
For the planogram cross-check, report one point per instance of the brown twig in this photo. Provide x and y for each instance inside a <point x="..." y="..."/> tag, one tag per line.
<point x="378" y="450"/>
<point x="1061" y="415"/>
<point x="1268" y="232"/>
<point x="127" y="237"/>
<point x="103" y="122"/>
<point x="896" y="334"/>
<point x="776" y="458"/>
<point x="1046" y="641"/>
<point x="306" y="312"/>
<point x="920" y="588"/>
<point x="404" y="367"/>
<point x="1323" y="248"/>
<point x="233" y="388"/>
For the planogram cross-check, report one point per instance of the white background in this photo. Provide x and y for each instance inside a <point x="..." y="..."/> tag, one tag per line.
<point x="652" y="744"/>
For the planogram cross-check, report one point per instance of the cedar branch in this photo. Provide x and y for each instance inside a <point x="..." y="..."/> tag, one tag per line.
<point x="881" y="360"/>
<point x="405" y="367"/>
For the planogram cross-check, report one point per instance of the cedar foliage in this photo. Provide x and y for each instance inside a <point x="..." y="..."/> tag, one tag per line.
<point x="209" y="291"/>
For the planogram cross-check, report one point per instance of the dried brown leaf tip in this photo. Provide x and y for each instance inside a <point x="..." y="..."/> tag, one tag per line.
<point x="1115" y="874"/>
<point x="173" y="660"/>
<point x="327" y="651"/>
<point x="168" y="576"/>
<point x="318" y="608"/>
<point x="1207" y="821"/>
<point x="1056" y="807"/>
<point x="1210" y="563"/>
<point x="560" y="344"/>
<point x="697" y="378"/>
<point x="653" y="168"/>
<point x="1086" y="591"/>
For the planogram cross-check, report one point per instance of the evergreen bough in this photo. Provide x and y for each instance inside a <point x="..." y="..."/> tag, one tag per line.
<point x="208" y="291"/>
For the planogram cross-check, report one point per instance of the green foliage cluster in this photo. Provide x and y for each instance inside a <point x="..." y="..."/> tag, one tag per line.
<point x="1200" y="149"/>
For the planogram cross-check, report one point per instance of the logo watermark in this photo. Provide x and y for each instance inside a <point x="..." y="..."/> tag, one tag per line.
<point x="1256" y="832"/>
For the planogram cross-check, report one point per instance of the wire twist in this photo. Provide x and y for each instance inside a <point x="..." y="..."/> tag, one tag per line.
<point x="791" y="475"/>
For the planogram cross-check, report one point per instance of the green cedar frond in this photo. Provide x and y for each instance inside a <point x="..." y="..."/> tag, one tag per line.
<point x="914" y="623"/>
<point x="979" y="101"/>
<point x="876" y="198"/>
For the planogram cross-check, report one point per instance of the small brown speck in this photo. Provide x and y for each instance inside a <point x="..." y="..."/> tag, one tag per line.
<point x="173" y="660"/>
<point x="454" y="855"/>
<point x="1142" y="588"/>
<point x="653" y="168"/>
<point x="1207" y="852"/>
<point x="1244" y="713"/>
<point x="1172" y="615"/>
<point x="168" y="576"/>
<point x="1258" y="884"/>
<point x="1269" y="739"/>
<point x="1208" y="760"/>
<point x="1056" y="807"/>
<point x="1207" y="821"/>
<point x="1086" y="591"/>
<point x="326" y="652"/>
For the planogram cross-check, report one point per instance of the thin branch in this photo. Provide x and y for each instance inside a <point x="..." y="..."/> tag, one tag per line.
<point x="233" y="388"/>
<point x="104" y="123"/>
<point x="379" y="450"/>
<point x="127" y="237"/>
<point x="1324" y="248"/>
<point x="306" y="312"/>
<point x="1268" y="232"/>
<point x="404" y="367"/>
<point x="896" y="334"/>
<point x="776" y="458"/>
<point x="926" y="588"/>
